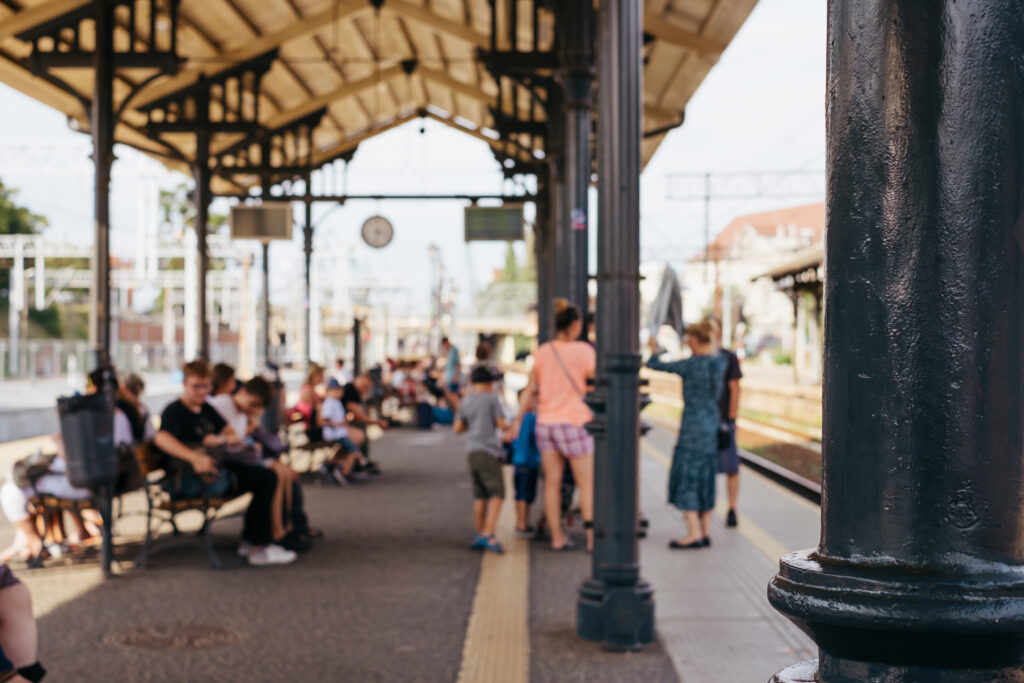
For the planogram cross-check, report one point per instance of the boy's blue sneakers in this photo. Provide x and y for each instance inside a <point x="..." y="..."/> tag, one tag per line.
<point x="486" y="543"/>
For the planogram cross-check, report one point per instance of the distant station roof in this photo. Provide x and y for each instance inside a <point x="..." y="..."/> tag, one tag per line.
<point x="370" y="69"/>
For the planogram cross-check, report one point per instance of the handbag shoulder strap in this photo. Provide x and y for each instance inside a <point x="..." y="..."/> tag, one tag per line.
<point x="565" y="370"/>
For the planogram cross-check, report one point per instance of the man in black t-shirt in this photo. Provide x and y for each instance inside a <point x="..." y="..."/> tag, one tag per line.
<point x="188" y="428"/>
<point x="353" y="397"/>
<point x="728" y="408"/>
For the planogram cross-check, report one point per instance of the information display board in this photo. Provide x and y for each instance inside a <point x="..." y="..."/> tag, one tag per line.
<point x="263" y="222"/>
<point x="494" y="223"/>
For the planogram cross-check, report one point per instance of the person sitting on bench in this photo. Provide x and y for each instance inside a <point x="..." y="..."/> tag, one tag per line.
<point x="188" y="427"/>
<point x="242" y="411"/>
<point x="353" y="397"/>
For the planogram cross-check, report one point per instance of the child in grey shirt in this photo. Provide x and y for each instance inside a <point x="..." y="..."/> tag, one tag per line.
<point x="481" y="416"/>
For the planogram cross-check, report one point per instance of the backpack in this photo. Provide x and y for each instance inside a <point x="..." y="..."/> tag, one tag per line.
<point x="30" y="469"/>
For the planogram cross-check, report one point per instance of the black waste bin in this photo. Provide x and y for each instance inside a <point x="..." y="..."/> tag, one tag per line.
<point x="87" y="429"/>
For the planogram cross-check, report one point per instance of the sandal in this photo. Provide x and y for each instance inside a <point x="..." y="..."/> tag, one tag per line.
<point x="569" y="545"/>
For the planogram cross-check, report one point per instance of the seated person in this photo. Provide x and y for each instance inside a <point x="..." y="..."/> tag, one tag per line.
<point x="242" y="411"/>
<point x="19" y="634"/>
<point x="188" y="427"/>
<point x="308" y="405"/>
<point x="14" y="499"/>
<point x="353" y="398"/>
<point x="334" y="423"/>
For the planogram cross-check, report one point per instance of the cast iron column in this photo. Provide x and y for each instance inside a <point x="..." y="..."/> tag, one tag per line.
<point x="357" y="347"/>
<point x="545" y="257"/>
<point x="918" y="575"/>
<point x="615" y="606"/>
<point x="202" y="201"/>
<point x="307" y="250"/>
<point x="578" y="63"/>
<point x="102" y="124"/>
<point x="265" y="309"/>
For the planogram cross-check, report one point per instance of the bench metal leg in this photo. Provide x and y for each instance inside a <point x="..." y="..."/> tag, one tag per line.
<point x="105" y="505"/>
<point x="215" y="562"/>
<point x="143" y="557"/>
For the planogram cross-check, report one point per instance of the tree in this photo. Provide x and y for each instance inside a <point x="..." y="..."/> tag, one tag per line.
<point x="510" y="273"/>
<point x="15" y="220"/>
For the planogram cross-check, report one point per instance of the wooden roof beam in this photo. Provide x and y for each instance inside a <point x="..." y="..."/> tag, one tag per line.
<point x="348" y="90"/>
<point x="663" y="30"/>
<point x="40" y="14"/>
<point x="254" y="48"/>
<point x="470" y="91"/>
<point x="353" y="141"/>
<point x="497" y="143"/>
<point x="428" y="17"/>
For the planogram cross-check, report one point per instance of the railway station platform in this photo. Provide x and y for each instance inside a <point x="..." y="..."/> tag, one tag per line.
<point x="392" y="593"/>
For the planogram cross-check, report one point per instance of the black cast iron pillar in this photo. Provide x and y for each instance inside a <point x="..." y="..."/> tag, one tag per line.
<point x="615" y="606"/>
<point x="102" y="124"/>
<point x="307" y="251"/>
<point x="577" y="56"/>
<point x="919" y="574"/>
<point x="544" y="250"/>
<point x="265" y="304"/>
<point x="202" y="197"/>
<point x="357" y="346"/>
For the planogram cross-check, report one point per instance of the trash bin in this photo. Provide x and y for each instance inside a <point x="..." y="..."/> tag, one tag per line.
<point x="87" y="429"/>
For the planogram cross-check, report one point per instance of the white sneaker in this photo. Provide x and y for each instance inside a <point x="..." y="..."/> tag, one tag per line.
<point x="271" y="554"/>
<point x="244" y="548"/>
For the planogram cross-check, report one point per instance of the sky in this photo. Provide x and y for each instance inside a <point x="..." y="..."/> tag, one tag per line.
<point x="761" y="108"/>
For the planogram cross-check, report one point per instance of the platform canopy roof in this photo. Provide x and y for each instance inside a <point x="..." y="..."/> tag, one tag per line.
<point x="373" y="69"/>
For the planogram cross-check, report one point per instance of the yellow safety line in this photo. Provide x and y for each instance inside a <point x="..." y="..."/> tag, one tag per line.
<point x="497" y="646"/>
<point x="760" y="538"/>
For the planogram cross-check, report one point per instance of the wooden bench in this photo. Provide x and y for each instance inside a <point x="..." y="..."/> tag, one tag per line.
<point x="161" y="508"/>
<point x="316" y="452"/>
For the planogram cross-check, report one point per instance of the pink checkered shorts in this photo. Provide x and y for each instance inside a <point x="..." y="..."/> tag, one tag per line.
<point x="569" y="440"/>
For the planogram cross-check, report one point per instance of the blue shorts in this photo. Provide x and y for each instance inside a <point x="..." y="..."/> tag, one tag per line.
<point x="347" y="445"/>
<point x="189" y="485"/>
<point x="729" y="458"/>
<point x="525" y="480"/>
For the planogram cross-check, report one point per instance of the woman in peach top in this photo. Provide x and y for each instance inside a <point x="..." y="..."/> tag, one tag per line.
<point x="559" y="377"/>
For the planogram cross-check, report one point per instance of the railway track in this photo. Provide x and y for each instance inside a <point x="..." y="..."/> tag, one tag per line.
<point x="797" y="439"/>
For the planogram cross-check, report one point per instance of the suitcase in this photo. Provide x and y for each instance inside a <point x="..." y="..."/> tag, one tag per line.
<point x="424" y="415"/>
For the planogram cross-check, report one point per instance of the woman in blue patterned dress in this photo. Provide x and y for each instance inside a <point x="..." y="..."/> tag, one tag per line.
<point x="691" y="482"/>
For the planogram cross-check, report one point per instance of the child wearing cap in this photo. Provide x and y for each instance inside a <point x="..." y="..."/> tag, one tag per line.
<point x="333" y="420"/>
<point x="481" y="415"/>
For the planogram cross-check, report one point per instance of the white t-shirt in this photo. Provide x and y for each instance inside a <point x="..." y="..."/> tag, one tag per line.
<point x="333" y="411"/>
<point x="397" y="379"/>
<point x="236" y="419"/>
<point x="344" y="376"/>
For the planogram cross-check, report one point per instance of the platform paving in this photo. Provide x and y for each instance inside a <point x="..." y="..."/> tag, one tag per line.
<point x="389" y="593"/>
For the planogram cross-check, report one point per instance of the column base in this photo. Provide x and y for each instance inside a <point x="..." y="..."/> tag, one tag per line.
<point x="904" y="626"/>
<point x="621" y="617"/>
<point x="831" y="670"/>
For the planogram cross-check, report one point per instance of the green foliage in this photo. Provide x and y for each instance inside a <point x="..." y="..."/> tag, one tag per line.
<point x="178" y="202"/>
<point x="48" y="320"/>
<point x="17" y="220"/>
<point x="510" y="273"/>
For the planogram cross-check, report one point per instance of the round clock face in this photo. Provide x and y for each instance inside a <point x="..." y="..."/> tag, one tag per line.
<point x="377" y="232"/>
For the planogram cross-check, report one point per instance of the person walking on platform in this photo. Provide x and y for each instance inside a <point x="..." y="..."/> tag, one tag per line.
<point x="482" y="416"/>
<point x="452" y="366"/>
<point x="691" y="482"/>
<point x="728" y="408"/>
<point x="561" y="368"/>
